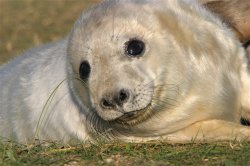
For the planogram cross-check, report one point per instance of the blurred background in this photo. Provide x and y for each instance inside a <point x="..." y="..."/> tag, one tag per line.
<point x="28" y="23"/>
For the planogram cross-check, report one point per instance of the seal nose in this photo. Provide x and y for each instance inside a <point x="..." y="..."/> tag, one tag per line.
<point x="112" y="100"/>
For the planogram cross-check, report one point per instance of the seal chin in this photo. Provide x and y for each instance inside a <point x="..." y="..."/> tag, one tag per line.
<point x="110" y="116"/>
<point x="135" y="117"/>
<point x="127" y="118"/>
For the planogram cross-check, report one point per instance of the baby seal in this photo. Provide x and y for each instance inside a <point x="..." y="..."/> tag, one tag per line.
<point x="131" y="70"/>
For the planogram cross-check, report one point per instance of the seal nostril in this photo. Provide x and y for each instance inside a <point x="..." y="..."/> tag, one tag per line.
<point x="123" y="96"/>
<point x="106" y="104"/>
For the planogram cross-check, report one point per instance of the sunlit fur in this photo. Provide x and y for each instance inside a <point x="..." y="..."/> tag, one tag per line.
<point x="191" y="83"/>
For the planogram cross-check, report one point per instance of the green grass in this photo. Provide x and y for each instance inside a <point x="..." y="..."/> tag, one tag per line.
<point x="126" y="154"/>
<point x="28" y="23"/>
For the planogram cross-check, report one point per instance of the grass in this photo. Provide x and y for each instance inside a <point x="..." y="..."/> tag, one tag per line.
<point x="28" y="23"/>
<point x="126" y="154"/>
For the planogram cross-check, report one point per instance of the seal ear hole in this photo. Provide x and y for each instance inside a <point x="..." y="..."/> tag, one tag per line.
<point x="84" y="70"/>
<point x="134" y="48"/>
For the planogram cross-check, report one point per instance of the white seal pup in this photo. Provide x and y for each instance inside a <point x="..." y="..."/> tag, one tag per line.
<point x="131" y="70"/>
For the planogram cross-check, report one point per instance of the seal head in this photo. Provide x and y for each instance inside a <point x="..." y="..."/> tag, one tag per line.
<point x="151" y="68"/>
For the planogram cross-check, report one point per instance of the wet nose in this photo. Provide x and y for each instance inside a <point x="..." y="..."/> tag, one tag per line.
<point x="113" y="100"/>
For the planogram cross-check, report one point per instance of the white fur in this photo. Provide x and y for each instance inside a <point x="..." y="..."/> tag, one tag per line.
<point x="26" y="84"/>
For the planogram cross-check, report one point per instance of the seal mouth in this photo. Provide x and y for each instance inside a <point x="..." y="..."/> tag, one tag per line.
<point x="135" y="117"/>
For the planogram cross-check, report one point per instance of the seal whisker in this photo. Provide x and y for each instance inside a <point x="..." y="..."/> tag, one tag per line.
<point x="164" y="102"/>
<point x="113" y="26"/>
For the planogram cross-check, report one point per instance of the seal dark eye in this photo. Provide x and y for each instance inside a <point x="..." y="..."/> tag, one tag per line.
<point x="135" y="48"/>
<point x="84" y="70"/>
